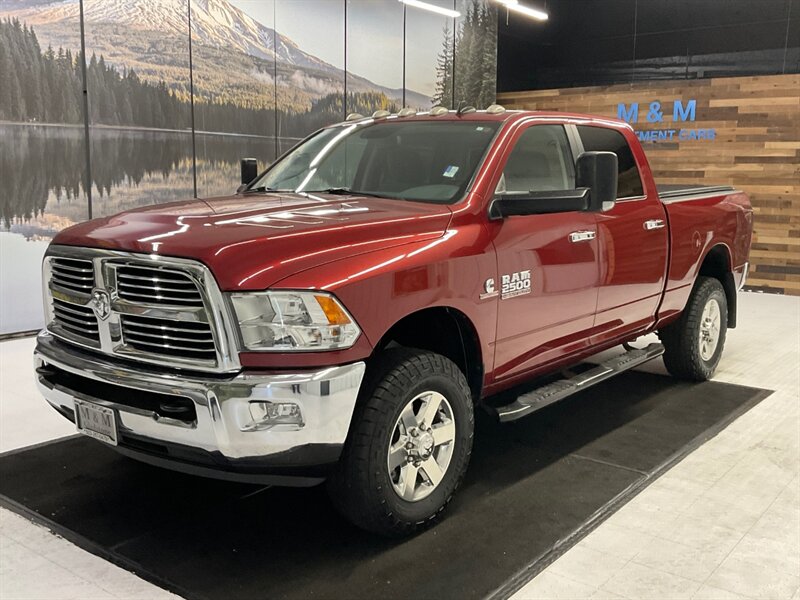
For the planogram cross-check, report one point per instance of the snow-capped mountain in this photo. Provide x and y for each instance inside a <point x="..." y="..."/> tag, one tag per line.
<point x="233" y="50"/>
<point x="214" y="22"/>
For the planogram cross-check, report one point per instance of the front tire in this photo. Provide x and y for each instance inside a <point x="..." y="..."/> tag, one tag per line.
<point x="409" y="444"/>
<point x="693" y="344"/>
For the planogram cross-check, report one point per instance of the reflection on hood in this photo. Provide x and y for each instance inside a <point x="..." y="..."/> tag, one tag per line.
<point x="254" y="241"/>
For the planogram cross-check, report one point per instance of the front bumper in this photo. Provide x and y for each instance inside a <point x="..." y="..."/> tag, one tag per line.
<point x="214" y="434"/>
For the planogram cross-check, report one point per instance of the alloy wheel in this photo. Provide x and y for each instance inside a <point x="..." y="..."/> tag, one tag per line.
<point x="709" y="329"/>
<point x="421" y="446"/>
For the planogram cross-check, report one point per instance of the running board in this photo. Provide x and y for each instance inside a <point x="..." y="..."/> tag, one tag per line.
<point x="558" y="390"/>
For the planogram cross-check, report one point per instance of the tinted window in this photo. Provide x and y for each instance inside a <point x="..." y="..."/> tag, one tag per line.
<point x="432" y="161"/>
<point x="602" y="139"/>
<point x="540" y="161"/>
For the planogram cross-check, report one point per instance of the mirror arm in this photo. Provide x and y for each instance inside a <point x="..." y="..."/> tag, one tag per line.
<point x="539" y="203"/>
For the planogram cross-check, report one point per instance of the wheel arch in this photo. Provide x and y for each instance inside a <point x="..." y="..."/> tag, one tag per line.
<point x="446" y="331"/>
<point x="717" y="263"/>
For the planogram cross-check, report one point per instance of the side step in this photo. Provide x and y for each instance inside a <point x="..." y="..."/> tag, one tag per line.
<point x="558" y="390"/>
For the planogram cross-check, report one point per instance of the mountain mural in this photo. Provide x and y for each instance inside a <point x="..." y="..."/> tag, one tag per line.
<point x="256" y="92"/>
<point x="237" y="59"/>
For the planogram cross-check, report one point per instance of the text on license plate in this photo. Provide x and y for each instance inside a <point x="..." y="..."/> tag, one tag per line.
<point x="96" y="421"/>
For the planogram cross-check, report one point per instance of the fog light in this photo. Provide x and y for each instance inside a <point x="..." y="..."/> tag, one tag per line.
<point x="265" y="415"/>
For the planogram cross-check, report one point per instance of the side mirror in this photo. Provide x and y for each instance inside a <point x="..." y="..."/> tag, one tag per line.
<point x="597" y="171"/>
<point x="249" y="170"/>
<point x="596" y="191"/>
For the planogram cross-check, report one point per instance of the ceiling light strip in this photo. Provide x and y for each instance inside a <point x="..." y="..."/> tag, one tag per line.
<point x="447" y="12"/>
<point x="534" y="13"/>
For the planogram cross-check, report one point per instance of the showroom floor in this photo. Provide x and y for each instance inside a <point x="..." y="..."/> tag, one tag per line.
<point x="724" y="523"/>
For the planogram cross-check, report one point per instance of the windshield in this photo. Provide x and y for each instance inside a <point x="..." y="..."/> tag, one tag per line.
<point x="428" y="161"/>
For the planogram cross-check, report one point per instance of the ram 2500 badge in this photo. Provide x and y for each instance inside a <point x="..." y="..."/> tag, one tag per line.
<point x="345" y="313"/>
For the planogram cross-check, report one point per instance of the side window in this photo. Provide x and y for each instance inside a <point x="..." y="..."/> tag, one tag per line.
<point x="602" y="139"/>
<point x="541" y="161"/>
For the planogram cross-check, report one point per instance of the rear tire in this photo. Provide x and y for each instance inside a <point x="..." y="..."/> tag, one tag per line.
<point x="693" y="344"/>
<point x="415" y="408"/>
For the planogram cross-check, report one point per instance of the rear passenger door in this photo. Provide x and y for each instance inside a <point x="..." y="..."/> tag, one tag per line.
<point x="633" y="243"/>
<point x="546" y="264"/>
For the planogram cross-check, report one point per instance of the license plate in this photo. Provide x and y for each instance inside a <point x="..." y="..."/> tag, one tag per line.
<point x="96" y="421"/>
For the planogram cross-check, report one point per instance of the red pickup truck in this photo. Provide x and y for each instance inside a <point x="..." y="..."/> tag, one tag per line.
<point x="344" y="314"/>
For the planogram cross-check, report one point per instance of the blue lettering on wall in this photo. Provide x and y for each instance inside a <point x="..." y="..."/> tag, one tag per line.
<point x="655" y="114"/>
<point x="631" y="115"/>
<point x="681" y="112"/>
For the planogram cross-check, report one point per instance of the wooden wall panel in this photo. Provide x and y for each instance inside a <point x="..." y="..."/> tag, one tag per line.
<point x="756" y="149"/>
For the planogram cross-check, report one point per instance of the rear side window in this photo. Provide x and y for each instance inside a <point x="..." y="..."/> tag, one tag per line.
<point x="602" y="139"/>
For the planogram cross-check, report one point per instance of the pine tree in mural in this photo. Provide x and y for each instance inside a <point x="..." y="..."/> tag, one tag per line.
<point x="34" y="85"/>
<point x="38" y="86"/>
<point x="488" y="73"/>
<point x="443" y="96"/>
<point x="474" y="67"/>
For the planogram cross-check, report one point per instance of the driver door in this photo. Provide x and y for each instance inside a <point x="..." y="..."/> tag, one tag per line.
<point x="547" y="265"/>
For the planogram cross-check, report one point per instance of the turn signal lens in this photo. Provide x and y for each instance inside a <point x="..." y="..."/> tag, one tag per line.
<point x="333" y="310"/>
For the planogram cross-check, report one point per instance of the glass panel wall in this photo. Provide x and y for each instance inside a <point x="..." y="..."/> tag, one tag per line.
<point x="137" y="78"/>
<point x="42" y="149"/>
<point x="310" y="67"/>
<point x="374" y="45"/>
<point x="233" y="57"/>
<point x="179" y="90"/>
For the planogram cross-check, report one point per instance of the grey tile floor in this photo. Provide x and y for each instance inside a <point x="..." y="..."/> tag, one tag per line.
<point x="723" y="523"/>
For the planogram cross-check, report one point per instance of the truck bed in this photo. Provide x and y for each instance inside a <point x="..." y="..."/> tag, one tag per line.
<point x="680" y="191"/>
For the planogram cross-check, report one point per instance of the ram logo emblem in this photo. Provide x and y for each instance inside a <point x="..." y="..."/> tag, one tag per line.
<point x="101" y="304"/>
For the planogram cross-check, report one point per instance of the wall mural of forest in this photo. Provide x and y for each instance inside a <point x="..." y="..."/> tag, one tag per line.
<point x="265" y="73"/>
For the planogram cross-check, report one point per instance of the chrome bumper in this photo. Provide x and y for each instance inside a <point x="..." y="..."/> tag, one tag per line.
<point x="223" y="427"/>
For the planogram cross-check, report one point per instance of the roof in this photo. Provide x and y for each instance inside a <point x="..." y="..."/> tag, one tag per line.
<point x="483" y="116"/>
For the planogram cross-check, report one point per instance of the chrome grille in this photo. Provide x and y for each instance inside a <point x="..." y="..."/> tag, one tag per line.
<point x="143" y="307"/>
<point x="156" y="285"/>
<point x="76" y="320"/>
<point x="73" y="274"/>
<point x="169" y="337"/>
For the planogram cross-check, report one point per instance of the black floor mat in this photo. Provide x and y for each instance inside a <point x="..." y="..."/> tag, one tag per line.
<point x="534" y="487"/>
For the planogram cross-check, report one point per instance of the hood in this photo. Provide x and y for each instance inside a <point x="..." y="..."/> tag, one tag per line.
<point x="254" y="241"/>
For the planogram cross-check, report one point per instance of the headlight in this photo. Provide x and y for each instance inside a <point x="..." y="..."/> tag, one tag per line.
<point x="292" y="321"/>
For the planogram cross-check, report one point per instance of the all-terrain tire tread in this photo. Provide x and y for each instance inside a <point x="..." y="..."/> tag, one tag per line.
<point x="681" y="350"/>
<point x="356" y="484"/>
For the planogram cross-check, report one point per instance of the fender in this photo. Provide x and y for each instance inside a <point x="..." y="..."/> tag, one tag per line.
<point x="381" y="288"/>
<point x="697" y="227"/>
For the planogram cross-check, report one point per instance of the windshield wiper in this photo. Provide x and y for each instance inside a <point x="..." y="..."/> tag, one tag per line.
<point x="345" y="191"/>
<point x="264" y="190"/>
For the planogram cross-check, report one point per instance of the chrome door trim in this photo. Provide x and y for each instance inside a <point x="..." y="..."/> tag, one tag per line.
<point x="582" y="236"/>
<point x="654" y="224"/>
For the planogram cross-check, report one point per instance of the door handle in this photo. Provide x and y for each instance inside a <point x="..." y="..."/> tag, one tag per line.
<point x="654" y="224"/>
<point x="581" y="236"/>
